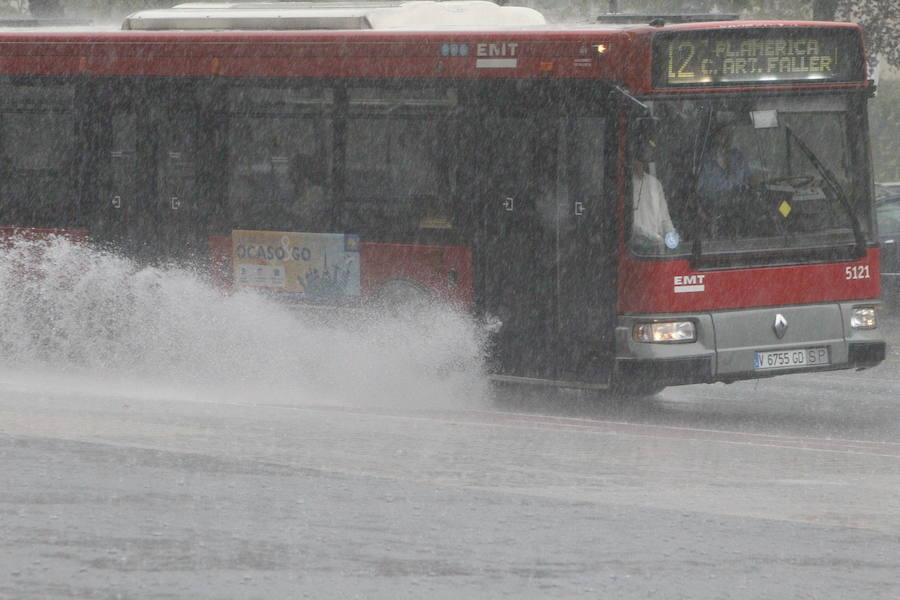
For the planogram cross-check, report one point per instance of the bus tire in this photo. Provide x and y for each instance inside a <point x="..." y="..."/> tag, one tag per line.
<point x="402" y="296"/>
<point x="636" y="389"/>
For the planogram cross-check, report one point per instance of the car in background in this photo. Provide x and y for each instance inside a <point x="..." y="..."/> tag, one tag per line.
<point x="888" y="213"/>
<point x="886" y="189"/>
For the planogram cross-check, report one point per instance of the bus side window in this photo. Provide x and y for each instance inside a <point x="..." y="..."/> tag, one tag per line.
<point x="279" y="158"/>
<point x="309" y="178"/>
<point x="37" y="126"/>
<point x="399" y="180"/>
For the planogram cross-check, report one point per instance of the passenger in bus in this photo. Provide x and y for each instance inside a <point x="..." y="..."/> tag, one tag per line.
<point x="724" y="169"/>
<point x="651" y="222"/>
<point x="310" y="211"/>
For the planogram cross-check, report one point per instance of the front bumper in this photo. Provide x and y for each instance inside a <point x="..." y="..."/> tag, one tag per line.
<point x="727" y="343"/>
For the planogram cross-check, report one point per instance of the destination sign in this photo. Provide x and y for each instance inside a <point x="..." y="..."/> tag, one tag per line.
<point x="756" y="57"/>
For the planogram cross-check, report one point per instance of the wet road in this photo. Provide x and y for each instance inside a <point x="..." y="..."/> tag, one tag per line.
<point x="784" y="488"/>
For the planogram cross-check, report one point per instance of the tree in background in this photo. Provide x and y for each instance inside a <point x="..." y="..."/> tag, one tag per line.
<point x="120" y="8"/>
<point x="46" y="8"/>
<point x="881" y="22"/>
<point x="884" y="129"/>
<point x="93" y="9"/>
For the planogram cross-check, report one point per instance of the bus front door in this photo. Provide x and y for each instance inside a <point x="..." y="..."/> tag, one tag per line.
<point x="515" y="164"/>
<point x="585" y="254"/>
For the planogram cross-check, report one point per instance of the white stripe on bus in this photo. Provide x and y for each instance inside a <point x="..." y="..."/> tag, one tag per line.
<point x="496" y="63"/>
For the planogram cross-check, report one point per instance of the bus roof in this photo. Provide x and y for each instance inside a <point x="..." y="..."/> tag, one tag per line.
<point x="621" y="54"/>
<point x="419" y="14"/>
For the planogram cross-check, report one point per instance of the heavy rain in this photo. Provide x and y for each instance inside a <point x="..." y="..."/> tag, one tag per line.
<point x="472" y="305"/>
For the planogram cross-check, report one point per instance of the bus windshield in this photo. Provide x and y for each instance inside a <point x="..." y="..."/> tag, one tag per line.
<point x="751" y="179"/>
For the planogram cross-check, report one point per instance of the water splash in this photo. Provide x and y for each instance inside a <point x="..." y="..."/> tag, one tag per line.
<point x="68" y="310"/>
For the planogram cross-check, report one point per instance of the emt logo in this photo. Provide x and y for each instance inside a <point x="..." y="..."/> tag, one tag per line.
<point x="689" y="283"/>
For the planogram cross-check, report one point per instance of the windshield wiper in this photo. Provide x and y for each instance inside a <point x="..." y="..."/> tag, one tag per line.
<point x="829" y="178"/>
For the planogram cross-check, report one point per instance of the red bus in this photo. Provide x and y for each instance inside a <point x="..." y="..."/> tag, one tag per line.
<point x="629" y="207"/>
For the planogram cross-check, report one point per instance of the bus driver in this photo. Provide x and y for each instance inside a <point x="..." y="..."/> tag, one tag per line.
<point x="723" y="183"/>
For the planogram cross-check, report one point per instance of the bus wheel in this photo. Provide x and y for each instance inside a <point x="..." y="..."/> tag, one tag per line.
<point x="516" y="396"/>
<point x="635" y="389"/>
<point x="400" y="296"/>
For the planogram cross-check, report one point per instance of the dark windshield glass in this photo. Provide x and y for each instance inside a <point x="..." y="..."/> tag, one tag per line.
<point x="750" y="176"/>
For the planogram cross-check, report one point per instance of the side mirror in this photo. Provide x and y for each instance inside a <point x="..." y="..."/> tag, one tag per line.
<point x="645" y="128"/>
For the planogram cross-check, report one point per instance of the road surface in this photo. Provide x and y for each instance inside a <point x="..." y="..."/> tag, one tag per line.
<point x="784" y="488"/>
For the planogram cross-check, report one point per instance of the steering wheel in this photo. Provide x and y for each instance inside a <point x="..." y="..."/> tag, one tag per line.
<point x="797" y="181"/>
<point x="760" y="216"/>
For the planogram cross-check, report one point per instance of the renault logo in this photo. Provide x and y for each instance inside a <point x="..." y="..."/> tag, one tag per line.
<point x="780" y="326"/>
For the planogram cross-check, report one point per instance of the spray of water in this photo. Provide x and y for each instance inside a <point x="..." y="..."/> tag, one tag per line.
<point x="71" y="311"/>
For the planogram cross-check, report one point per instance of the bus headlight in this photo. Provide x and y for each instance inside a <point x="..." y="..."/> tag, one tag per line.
<point x="664" y="332"/>
<point x="863" y="317"/>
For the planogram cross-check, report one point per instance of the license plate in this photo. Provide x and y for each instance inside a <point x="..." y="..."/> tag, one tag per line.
<point x="785" y="359"/>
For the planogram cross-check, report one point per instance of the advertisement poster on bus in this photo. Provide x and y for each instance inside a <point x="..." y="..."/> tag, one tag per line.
<point x="311" y="265"/>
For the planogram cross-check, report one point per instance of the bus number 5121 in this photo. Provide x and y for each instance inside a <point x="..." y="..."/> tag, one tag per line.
<point x="857" y="272"/>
